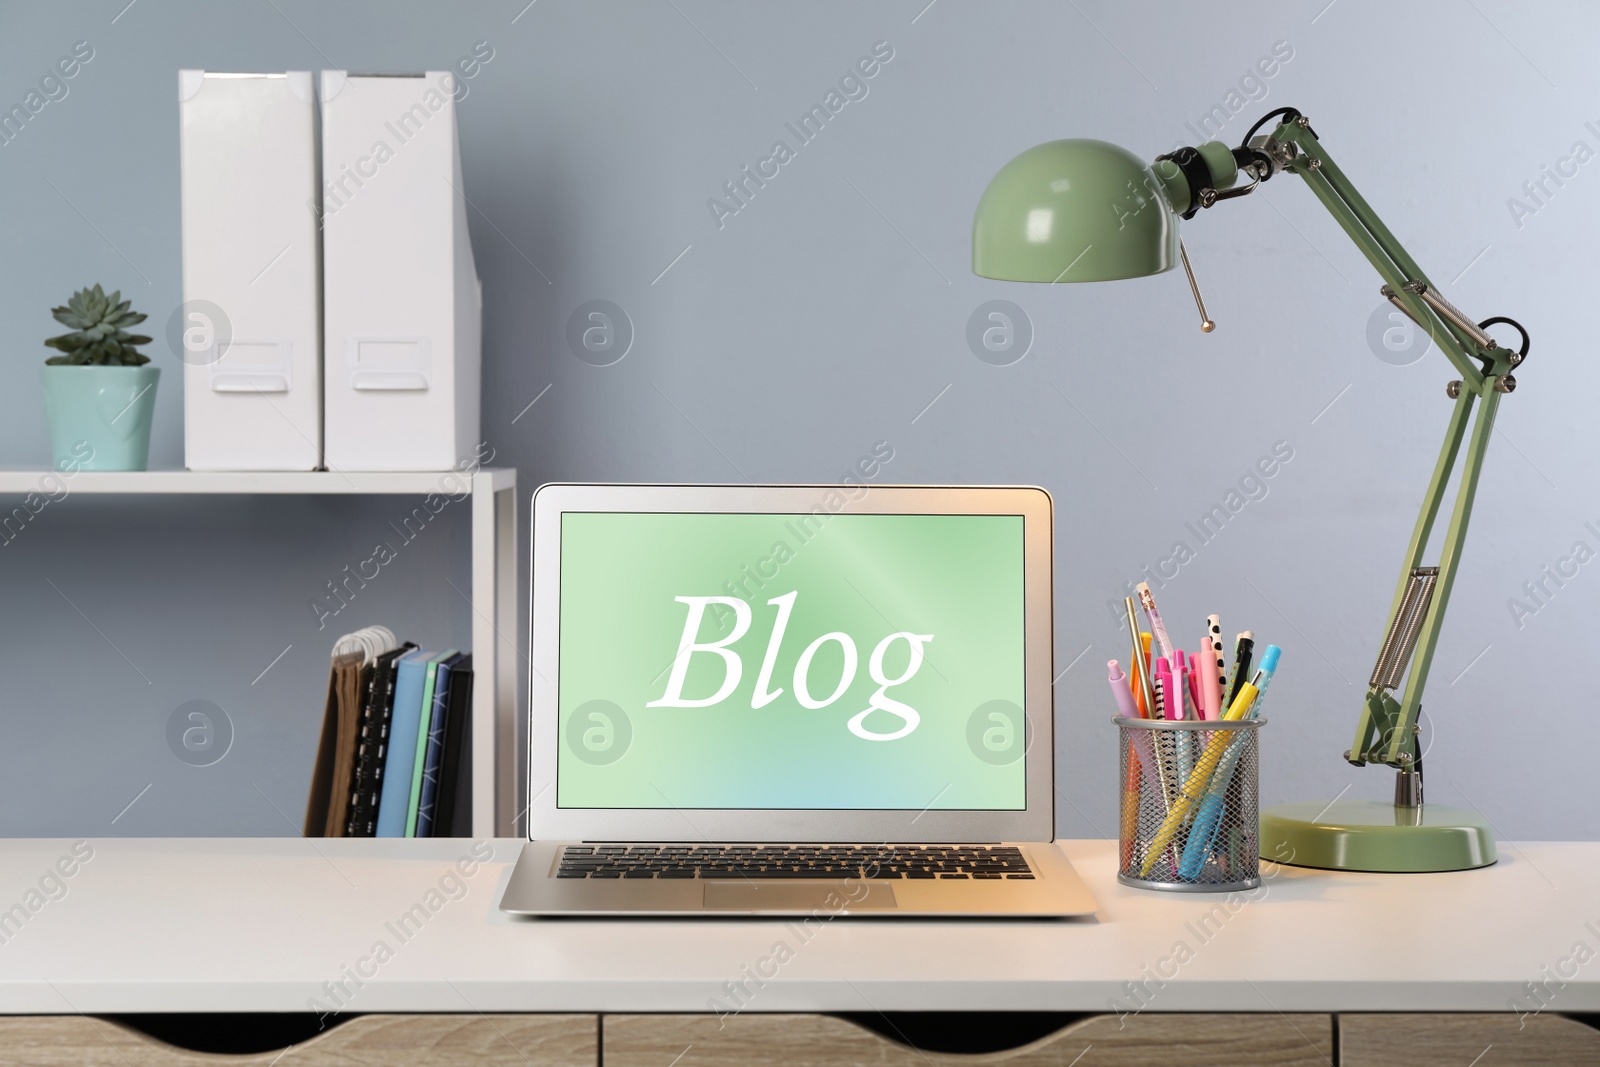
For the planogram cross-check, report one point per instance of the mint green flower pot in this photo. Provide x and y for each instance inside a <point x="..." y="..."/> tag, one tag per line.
<point x="99" y="417"/>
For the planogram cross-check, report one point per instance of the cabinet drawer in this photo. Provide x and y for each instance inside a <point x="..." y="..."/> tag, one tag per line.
<point x="1458" y="1039"/>
<point x="1266" y="1040"/>
<point x="378" y="1040"/>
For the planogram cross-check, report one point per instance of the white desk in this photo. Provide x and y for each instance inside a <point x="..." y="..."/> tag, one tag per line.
<point x="261" y="924"/>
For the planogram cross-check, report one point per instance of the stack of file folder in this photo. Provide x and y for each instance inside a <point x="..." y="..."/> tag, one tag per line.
<point x="393" y="759"/>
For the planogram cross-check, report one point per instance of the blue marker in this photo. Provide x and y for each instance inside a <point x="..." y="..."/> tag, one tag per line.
<point x="1263" y="678"/>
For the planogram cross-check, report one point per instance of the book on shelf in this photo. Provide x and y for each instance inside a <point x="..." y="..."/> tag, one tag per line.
<point x="391" y="759"/>
<point x="453" y="806"/>
<point x="330" y="773"/>
<point x="427" y="792"/>
<point x="437" y="673"/>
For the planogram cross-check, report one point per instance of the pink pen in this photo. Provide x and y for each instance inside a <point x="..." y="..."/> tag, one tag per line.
<point x="1169" y="707"/>
<point x="1180" y="671"/>
<point x="1184" y="680"/>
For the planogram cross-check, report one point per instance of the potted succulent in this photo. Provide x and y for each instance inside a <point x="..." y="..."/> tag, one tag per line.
<point x="98" y="394"/>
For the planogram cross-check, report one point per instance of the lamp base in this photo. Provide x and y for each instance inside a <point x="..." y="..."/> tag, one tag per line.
<point x="1370" y="835"/>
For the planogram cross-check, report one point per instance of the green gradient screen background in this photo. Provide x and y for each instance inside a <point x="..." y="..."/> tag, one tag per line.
<point x="957" y="577"/>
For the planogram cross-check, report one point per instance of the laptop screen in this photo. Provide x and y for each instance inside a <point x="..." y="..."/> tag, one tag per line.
<point x="791" y="661"/>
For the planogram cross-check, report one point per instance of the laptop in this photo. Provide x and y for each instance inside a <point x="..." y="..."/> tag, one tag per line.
<point x="791" y="700"/>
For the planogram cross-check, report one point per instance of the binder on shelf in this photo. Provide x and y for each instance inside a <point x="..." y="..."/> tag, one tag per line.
<point x="372" y="741"/>
<point x="437" y="672"/>
<point x="432" y="756"/>
<point x="402" y="303"/>
<point x="453" y="803"/>
<point x="249" y="329"/>
<point x="328" y="802"/>
<point x="395" y="797"/>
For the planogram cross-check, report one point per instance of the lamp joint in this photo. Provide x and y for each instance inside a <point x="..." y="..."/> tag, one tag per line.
<point x="1279" y="154"/>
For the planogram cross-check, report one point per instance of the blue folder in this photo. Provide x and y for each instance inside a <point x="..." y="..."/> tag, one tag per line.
<point x="395" y="802"/>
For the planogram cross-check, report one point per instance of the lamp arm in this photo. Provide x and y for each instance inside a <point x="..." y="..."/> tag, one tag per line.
<point x="1461" y="342"/>
<point x="1386" y="731"/>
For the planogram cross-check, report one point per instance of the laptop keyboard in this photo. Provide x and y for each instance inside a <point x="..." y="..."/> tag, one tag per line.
<point x="876" y="862"/>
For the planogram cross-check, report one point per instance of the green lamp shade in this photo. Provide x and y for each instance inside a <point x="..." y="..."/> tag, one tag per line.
<point x="1074" y="211"/>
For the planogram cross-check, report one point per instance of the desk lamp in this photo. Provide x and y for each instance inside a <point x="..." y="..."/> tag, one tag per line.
<point x="1084" y="210"/>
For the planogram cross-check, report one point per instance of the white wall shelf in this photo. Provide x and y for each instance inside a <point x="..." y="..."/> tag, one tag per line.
<point x="495" y="721"/>
<point x="319" y="482"/>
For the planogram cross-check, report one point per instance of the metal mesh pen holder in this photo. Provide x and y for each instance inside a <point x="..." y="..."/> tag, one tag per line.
<point x="1188" y="803"/>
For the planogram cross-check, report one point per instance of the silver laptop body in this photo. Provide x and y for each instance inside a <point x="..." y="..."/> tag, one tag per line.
<point x="791" y="700"/>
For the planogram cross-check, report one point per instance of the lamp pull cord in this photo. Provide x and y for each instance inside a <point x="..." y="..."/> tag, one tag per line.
<point x="1206" y="325"/>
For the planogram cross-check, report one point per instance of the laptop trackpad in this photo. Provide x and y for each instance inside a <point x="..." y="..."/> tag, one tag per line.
<point x="777" y="896"/>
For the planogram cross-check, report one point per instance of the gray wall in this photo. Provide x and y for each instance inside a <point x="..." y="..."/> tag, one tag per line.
<point x="826" y="316"/>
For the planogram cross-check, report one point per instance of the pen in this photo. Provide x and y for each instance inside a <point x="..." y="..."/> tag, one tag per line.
<point x="1183" y="676"/>
<point x="1139" y="709"/>
<point x="1163" y="676"/>
<point x="1179" y="708"/>
<point x="1214" y="628"/>
<point x="1144" y="648"/>
<point x="1143" y="757"/>
<point x="1120" y="691"/>
<point x="1130" y="807"/>
<point x="1149" y="767"/>
<point x="1210" y="679"/>
<point x="1202" y="834"/>
<point x="1181" y="665"/>
<point x="1175" y="759"/>
<point x="1242" y="703"/>
<point x="1148" y="764"/>
<point x="1148" y="602"/>
<point x="1241" y="663"/>
<point x="1169" y="757"/>
<point x="1264" y="676"/>
<point x="1149" y="662"/>
<point x="1186" y="680"/>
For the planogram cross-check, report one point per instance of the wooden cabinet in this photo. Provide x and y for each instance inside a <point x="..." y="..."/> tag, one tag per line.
<point x="751" y="1040"/>
<point x="754" y="1040"/>
<point x="1501" y="1039"/>
<point x="376" y="1040"/>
